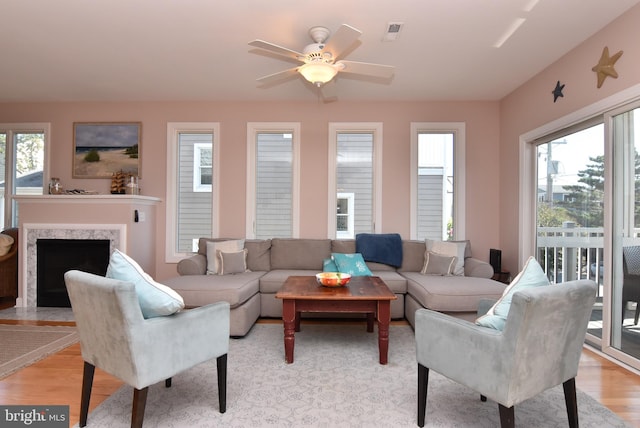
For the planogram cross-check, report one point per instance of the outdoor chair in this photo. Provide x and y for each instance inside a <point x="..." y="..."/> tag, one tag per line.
<point x="538" y="349"/>
<point x="631" y="280"/>
<point x="116" y="338"/>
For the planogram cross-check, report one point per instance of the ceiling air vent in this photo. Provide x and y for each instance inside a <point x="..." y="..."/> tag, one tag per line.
<point x="393" y="31"/>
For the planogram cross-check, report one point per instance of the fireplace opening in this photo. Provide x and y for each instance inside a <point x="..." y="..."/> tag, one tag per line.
<point x="57" y="256"/>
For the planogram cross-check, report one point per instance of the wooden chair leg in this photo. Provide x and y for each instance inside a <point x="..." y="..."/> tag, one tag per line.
<point x="423" y="383"/>
<point x="139" y="403"/>
<point x="507" y="416"/>
<point x="221" y="363"/>
<point x="571" y="402"/>
<point x="87" y="383"/>
<point x="167" y="383"/>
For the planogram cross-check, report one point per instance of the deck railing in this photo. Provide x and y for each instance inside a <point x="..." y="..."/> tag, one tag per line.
<point x="569" y="252"/>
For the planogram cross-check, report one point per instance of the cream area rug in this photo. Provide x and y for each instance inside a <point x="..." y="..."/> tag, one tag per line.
<point x="335" y="381"/>
<point x="23" y="345"/>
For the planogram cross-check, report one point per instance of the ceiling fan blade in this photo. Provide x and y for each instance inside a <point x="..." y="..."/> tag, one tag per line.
<point x="276" y="49"/>
<point x="278" y="77"/>
<point x="341" y="40"/>
<point x="367" y="69"/>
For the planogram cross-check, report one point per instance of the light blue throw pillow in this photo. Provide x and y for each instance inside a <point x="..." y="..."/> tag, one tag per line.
<point x="155" y="299"/>
<point x="532" y="275"/>
<point x="328" y="265"/>
<point x="352" y="264"/>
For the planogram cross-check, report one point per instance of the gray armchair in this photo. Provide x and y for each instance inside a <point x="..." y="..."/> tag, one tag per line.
<point x="116" y="338"/>
<point x="538" y="349"/>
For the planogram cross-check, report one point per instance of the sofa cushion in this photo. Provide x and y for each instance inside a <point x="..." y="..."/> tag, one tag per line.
<point x="230" y="246"/>
<point x="412" y="256"/>
<point x="328" y="265"/>
<point x="352" y="264"/>
<point x="155" y="299"/>
<point x="291" y="253"/>
<point x="436" y="264"/>
<point x="259" y="254"/>
<point x="531" y="276"/>
<point x="272" y="281"/>
<point x="451" y="293"/>
<point x="451" y="249"/>
<point x="200" y="290"/>
<point x="232" y="263"/>
<point x="345" y="246"/>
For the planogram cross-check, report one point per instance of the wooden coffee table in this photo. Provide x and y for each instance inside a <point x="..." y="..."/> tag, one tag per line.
<point x="363" y="294"/>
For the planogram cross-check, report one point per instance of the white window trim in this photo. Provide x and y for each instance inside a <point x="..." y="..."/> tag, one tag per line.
<point x="197" y="172"/>
<point x="10" y="129"/>
<point x="459" y="186"/>
<point x="334" y="129"/>
<point x="173" y="129"/>
<point x="253" y="129"/>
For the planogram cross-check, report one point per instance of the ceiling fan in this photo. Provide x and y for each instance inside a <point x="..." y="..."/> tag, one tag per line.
<point x="321" y="60"/>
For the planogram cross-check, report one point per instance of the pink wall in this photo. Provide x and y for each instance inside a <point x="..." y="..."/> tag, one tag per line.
<point x="482" y="154"/>
<point x="531" y="106"/>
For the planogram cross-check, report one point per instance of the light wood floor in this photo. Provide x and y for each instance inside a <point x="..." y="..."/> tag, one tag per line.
<point x="57" y="380"/>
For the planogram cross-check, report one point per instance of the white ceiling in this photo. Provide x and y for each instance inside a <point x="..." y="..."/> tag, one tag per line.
<point x="160" y="50"/>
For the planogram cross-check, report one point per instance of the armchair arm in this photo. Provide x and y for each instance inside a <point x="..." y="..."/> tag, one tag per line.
<point x="165" y="346"/>
<point x="462" y="351"/>
<point x="477" y="268"/>
<point x="194" y="265"/>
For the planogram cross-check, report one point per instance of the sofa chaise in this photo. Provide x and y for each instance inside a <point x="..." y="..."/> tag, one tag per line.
<point x="251" y="294"/>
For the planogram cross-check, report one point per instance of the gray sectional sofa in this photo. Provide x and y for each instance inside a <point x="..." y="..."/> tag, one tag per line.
<point x="252" y="294"/>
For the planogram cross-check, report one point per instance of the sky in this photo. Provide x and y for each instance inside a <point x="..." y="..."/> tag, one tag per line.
<point x="106" y="134"/>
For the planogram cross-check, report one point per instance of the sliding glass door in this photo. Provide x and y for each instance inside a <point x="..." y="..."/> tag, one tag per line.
<point x="623" y="336"/>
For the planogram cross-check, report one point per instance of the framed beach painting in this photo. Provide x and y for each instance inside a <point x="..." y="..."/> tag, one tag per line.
<point x="104" y="148"/>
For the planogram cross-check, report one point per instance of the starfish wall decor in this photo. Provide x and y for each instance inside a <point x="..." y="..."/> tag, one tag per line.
<point x="557" y="92"/>
<point x="604" y="68"/>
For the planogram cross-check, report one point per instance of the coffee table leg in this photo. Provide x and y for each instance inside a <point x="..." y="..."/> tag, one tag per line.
<point x="369" y="322"/>
<point x="289" y="321"/>
<point x="384" y="317"/>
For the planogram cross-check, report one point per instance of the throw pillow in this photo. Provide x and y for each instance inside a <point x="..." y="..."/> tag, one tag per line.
<point x="328" y="265"/>
<point x="436" y="264"/>
<point x="6" y="242"/>
<point x="451" y="249"/>
<point x="155" y="299"/>
<point x="231" y="246"/>
<point x="531" y="275"/>
<point x="232" y="262"/>
<point x="352" y="264"/>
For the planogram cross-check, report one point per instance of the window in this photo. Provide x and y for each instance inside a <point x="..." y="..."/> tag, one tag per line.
<point x="272" y="180"/>
<point x="203" y="167"/>
<point x="344" y="216"/>
<point x="192" y="194"/>
<point x="354" y="179"/>
<point x="23" y="147"/>
<point x="437" y="181"/>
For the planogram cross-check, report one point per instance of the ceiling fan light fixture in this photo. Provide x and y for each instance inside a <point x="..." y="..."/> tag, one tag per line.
<point x="318" y="73"/>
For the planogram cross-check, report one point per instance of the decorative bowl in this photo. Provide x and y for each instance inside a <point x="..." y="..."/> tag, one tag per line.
<point x="333" y="279"/>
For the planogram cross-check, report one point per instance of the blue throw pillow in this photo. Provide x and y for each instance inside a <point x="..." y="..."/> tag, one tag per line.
<point x="155" y="299"/>
<point x="328" y="265"/>
<point x="352" y="264"/>
<point x="532" y="275"/>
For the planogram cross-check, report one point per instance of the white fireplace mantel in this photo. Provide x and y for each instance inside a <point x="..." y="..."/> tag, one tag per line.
<point x="128" y="221"/>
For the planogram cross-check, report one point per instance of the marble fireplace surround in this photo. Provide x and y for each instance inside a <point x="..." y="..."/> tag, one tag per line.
<point x="115" y="233"/>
